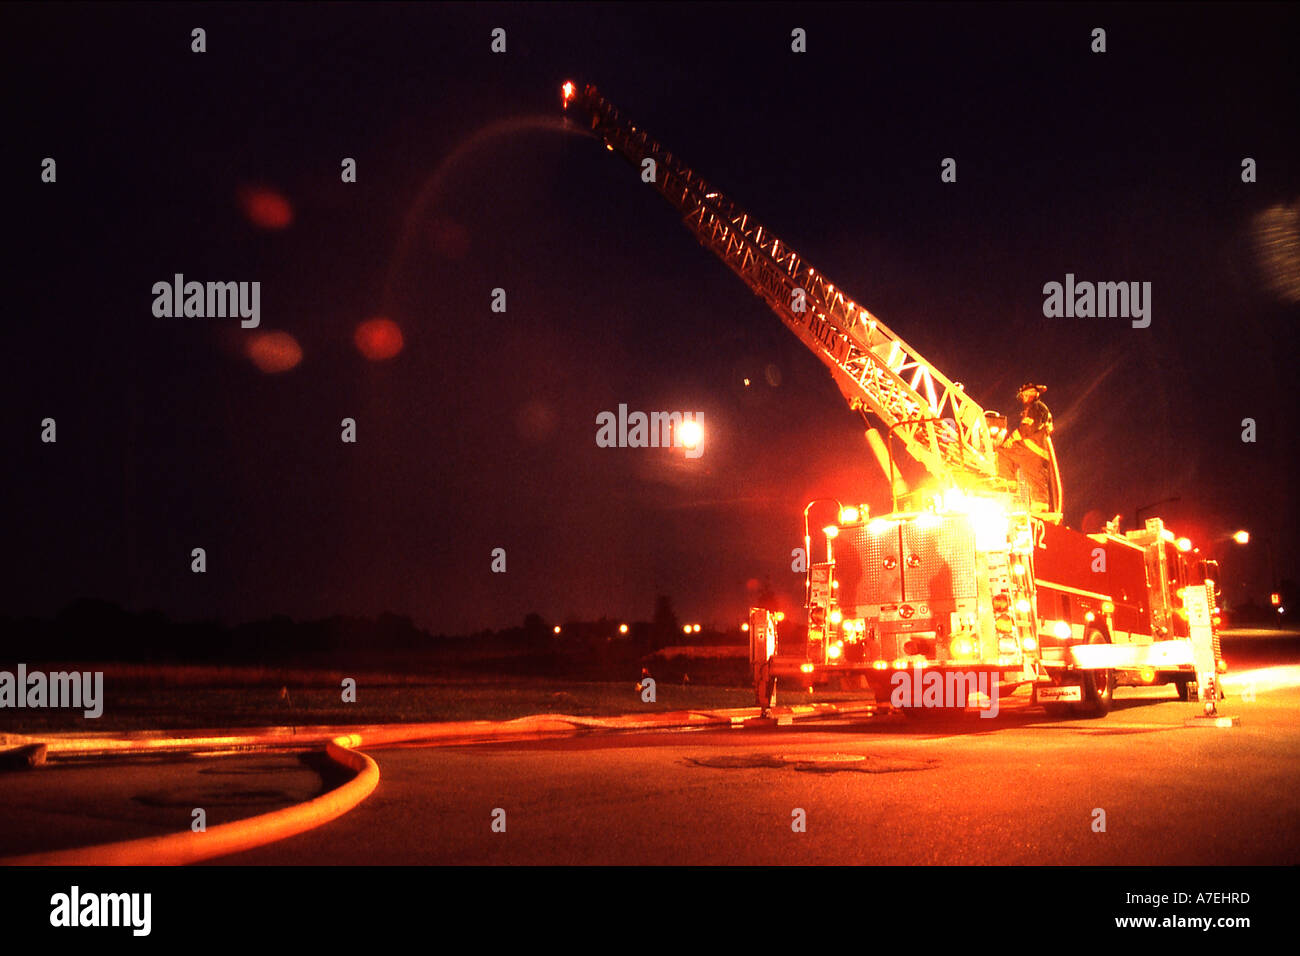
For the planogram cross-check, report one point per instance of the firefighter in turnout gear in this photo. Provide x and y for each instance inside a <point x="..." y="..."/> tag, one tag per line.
<point x="1035" y="418"/>
<point x="1028" y="449"/>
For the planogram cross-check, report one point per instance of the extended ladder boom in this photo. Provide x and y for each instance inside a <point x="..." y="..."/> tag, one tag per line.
<point x="940" y="426"/>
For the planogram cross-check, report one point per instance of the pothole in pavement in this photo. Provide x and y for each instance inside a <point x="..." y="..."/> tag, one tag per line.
<point x="818" y="762"/>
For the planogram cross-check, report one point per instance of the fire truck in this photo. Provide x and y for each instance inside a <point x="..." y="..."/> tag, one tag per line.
<point x="972" y="573"/>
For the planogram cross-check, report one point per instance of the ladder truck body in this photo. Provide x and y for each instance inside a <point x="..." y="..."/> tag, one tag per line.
<point x="971" y="579"/>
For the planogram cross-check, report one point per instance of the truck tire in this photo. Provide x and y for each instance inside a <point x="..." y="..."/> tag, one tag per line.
<point x="1184" y="689"/>
<point x="1098" y="686"/>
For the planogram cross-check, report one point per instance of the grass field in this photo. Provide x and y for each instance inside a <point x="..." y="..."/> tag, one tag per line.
<point x="175" y="697"/>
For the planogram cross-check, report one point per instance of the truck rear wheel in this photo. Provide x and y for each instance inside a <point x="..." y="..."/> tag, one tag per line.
<point x="1098" y="686"/>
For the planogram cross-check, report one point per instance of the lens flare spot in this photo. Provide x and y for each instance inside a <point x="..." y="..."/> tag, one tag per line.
<point x="265" y="208"/>
<point x="450" y="239"/>
<point x="274" y="352"/>
<point x="379" y="339"/>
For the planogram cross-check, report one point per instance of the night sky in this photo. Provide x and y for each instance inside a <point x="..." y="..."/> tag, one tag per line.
<point x="480" y="432"/>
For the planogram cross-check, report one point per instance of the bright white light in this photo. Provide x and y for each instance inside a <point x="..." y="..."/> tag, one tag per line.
<point x="1242" y="537"/>
<point x="691" y="433"/>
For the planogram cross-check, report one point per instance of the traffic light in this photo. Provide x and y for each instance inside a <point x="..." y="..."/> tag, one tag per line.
<point x="1275" y="598"/>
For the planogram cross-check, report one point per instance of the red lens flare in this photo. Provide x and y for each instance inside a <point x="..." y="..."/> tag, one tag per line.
<point x="379" y="338"/>
<point x="273" y="352"/>
<point x="265" y="208"/>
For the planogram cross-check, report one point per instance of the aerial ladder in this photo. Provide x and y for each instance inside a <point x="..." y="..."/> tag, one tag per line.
<point x="933" y="418"/>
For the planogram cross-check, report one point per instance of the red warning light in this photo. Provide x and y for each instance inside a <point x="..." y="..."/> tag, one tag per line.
<point x="379" y="338"/>
<point x="1275" y="599"/>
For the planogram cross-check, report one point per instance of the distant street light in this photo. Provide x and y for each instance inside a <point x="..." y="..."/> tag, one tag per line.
<point x="1242" y="537"/>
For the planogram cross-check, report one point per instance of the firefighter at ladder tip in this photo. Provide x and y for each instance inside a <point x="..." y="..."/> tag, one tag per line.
<point x="1028" y="448"/>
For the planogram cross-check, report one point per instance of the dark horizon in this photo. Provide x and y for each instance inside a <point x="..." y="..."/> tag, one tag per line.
<point x="479" y="432"/>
